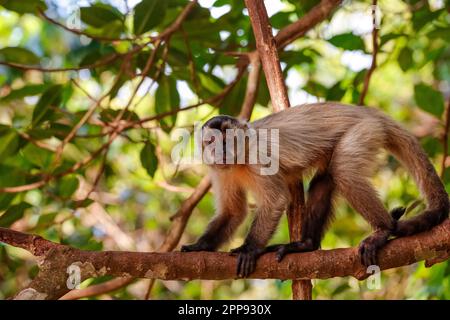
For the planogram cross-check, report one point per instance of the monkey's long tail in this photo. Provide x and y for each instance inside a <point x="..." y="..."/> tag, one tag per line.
<point x="408" y="151"/>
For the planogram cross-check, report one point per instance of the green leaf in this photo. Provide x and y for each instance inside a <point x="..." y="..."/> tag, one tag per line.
<point x="335" y="93"/>
<point x="347" y="41"/>
<point x="148" y="14"/>
<point x="167" y="99"/>
<point x="111" y="30"/>
<point x="9" y="142"/>
<point x="280" y="19"/>
<point x="18" y="55"/>
<point x="14" y="213"/>
<point x="210" y="83"/>
<point x="46" y="220"/>
<point x="37" y="156"/>
<point x="25" y="91"/>
<point x="443" y="33"/>
<point x="405" y="59"/>
<point x="423" y="16"/>
<point x="231" y="104"/>
<point x="429" y="99"/>
<point x="99" y="15"/>
<point x="23" y="6"/>
<point x="67" y="186"/>
<point x="390" y="36"/>
<point x="50" y="98"/>
<point x="148" y="159"/>
<point x="109" y="115"/>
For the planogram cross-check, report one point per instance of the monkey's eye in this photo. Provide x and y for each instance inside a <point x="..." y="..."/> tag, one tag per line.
<point x="213" y="138"/>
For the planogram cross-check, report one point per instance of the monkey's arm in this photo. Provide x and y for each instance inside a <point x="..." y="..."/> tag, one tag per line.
<point x="231" y="210"/>
<point x="262" y="229"/>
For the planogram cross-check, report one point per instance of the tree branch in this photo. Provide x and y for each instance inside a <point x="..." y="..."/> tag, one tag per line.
<point x="375" y="45"/>
<point x="444" y="140"/>
<point x="433" y="246"/>
<point x="298" y="29"/>
<point x="267" y="50"/>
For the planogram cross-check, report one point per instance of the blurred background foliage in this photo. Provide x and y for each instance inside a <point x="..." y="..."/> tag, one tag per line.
<point x="99" y="193"/>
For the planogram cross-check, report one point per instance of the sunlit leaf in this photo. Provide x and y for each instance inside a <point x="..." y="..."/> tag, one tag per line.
<point x="51" y="98"/>
<point x="9" y="142"/>
<point x="99" y="15"/>
<point x="23" y="6"/>
<point x="148" y="14"/>
<point x="25" y="91"/>
<point x="347" y="41"/>
<point x="167" y="99"/>
<point x="67" y="186"/>
<point x="429" y="99"/>
<point x="18" y="55"/>
<point x="14" y="213"/>
<point x="148" y="159"/>
<point x="37" y="156"/>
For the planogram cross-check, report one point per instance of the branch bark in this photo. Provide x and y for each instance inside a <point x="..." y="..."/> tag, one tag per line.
<point x="433" y="246"/>
<point x="298" y="29"/>
<point x="267" y="49"/>
<point x="375" y="46"/>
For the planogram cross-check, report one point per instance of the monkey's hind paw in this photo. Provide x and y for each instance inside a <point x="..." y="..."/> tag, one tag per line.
<point x="296" y="246"/>
<point x="398" y="212"/>
<point x="196" y="247"/>
<point x="368" y="254"/>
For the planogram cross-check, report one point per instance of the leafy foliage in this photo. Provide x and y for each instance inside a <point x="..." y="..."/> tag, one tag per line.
<point x="98" y="133"/>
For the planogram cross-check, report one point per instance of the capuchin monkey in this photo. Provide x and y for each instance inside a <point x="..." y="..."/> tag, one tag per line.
<point x="339" y="143"/>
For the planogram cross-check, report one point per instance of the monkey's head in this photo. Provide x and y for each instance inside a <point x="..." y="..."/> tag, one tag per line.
<point x="219" y="140"/>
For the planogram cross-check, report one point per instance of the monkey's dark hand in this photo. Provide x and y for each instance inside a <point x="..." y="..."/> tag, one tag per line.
<point x="199" y="246"/>
<point x="247" y="254"/>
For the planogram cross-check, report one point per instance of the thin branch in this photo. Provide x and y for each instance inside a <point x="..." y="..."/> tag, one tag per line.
<point x="98" y="289"/>
<point x="299" y="28"/>
<point x="251" y="92"/>
<point x="86" y="116"/>
<point x="79" y="32"/>
<point x="375" y="46"/>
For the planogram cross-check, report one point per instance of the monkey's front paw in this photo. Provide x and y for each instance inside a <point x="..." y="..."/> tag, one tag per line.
<point x="368" y="253"/>
<point x="247" y="257"/>
<point x="199" y="246"/>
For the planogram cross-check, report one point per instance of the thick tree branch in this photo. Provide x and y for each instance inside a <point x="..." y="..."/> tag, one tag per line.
<point x="433" y="246"/>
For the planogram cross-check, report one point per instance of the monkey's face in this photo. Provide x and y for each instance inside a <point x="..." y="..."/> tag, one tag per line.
<point x="219" y="141"/>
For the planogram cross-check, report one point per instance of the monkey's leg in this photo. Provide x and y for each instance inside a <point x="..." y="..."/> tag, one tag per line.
<point x="363" y="198"/>
<point x="262" y="229"/>
<point x="353" y="161"/>
<point x="315" y="218"/>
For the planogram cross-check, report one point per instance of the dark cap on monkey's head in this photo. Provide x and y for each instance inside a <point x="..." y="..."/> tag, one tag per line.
<point x="222" y="122"/>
